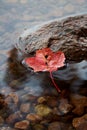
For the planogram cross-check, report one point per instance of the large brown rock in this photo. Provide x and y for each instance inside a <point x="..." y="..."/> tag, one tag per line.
<point x="68" y="35"/>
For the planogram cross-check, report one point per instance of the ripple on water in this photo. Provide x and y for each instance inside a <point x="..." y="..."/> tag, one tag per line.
<point x="75" y="74"/>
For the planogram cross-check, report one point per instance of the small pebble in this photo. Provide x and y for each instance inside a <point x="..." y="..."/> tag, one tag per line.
<point x="1" y="121"/>
<point x="33" y="117"/>
<point x="41" y="99"/>
<point x="13" y="117"/>
<point x="64" y="106"/>
<point x="79" y="121"/>
<point x="22" y="125"/>
<point x="25" y="107"/>
<point x="79" y="102"/>
<point x="43" y="110"/>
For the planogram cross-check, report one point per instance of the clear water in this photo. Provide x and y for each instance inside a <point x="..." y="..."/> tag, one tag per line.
<point x="17" y="15"/>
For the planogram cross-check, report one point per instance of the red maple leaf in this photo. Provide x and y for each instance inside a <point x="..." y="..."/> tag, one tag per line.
<point x="46" y="60"/>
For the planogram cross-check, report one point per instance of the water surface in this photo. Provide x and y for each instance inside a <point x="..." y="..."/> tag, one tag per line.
<point x="17" y="15"/>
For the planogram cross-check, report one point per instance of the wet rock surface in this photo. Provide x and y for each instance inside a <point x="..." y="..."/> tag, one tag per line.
<point x="68" y="35"/>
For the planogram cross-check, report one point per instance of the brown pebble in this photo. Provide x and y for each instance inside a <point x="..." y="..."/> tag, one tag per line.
<point x="41" y="99"/>
<point x="38" y="127"/>
<point x="15" y="97"/>
<point x="1" y="120"/>
<point x="33" y="117"/>
<point x="12" y="97"/>
<point x="56" y="111"/>
<point x="43" y="110"/>
<point x="25" y="107"/>
<point x="54" y="126"/>
<point x="83" y="126"/>
<point x="64" y="106"/>
<point x="52" y="101"/>
<point x="13" y="117"/>
<point x="22" y="125"/>
<point x="79" y="121"/>
<point x="79" y="102"/>
<point x="57" y="126"/>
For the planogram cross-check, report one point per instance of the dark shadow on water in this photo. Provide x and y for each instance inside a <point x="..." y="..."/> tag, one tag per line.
<point x="72" y="77"/>
<point x="18" y="77"/>
<point x="15" y="73"/>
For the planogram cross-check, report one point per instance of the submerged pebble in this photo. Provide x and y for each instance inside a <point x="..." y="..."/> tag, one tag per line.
<point x="79" y="102"/>
<point x="80" y="122"/>
<point x="1" y="121"/>
<point x="43" y="110"/>
<point x="38" y="127"/>
<point x="13" y="117"/>
<point x="25" y="108"/>
<point x="64" y="106"/>
<point x="23" y="125"/>
<point x="33" y="117"/>
<point x="56" y="126"/>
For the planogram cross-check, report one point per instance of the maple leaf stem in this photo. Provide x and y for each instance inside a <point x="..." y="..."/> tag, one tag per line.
<point x="57" y="88"/>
